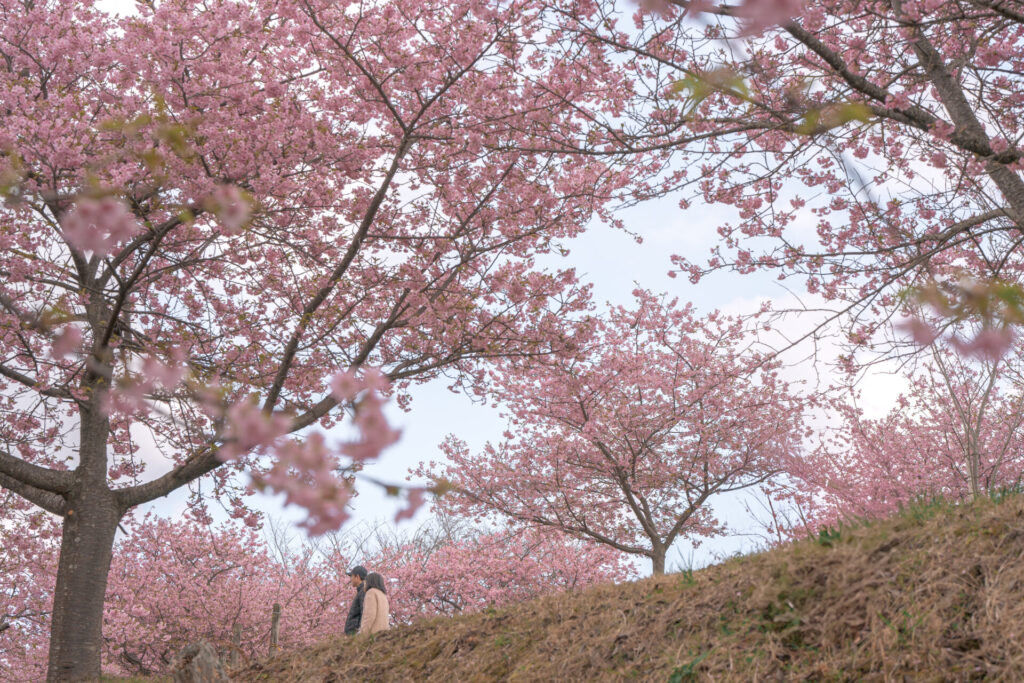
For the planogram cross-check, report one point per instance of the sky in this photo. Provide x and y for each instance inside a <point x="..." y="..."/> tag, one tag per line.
<point x="615" y="263"/>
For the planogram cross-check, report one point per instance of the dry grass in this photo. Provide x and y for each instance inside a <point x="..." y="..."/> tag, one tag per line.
<point x="933" y="594"/>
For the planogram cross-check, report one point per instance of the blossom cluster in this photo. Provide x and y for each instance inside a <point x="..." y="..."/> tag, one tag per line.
<point x="99" y="225"/>
<point x="308" y="470"/>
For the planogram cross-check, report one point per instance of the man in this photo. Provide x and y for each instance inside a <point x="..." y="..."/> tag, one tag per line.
<point x="356" y="576"/>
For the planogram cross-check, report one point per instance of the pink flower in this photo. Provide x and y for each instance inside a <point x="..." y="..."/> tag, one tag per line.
<point x="129" y="397"/>
<point x="939" y="160"/>
<point x="345" y="385"/>
<point x="921" y="332"/>
<point x="759" y="15"/>
<point x="374" y="431"/>
<point x="248" y="428"/>
<point x="990" y="344"/>
<point x="68" y="340"/>
<point x="375" y="380"/>
<point x="231" y="208"/>
<point x="99" y="225"/>
<point x="416" y="501"/>
<point x="305" y="473"/>
<point x="167" y="375"/>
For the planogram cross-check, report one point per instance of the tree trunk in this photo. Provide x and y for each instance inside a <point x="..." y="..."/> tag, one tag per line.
<point x="974" y="472"/>
<point x="658" y="561"/>
<point x="76" y="631"/>
<point x="90" y="523"/>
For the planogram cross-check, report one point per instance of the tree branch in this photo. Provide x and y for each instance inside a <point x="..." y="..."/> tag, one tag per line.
<point x="202" y="462"/>
<point x="43" y="478"/>
<point x="33" y="384"/>
<point x="1001" y="7"/>
<point x="51" y="502"/>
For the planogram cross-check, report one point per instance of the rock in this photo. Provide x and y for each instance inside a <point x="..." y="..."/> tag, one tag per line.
<point x="198" y="663"/>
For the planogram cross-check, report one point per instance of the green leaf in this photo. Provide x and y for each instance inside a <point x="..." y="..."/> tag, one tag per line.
<point x="833" y="116"/>
<point x="696" y="87"/>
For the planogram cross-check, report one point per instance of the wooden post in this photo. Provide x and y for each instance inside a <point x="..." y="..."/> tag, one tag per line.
<point x="236" y="644"/>
<point x="275" y="622"/>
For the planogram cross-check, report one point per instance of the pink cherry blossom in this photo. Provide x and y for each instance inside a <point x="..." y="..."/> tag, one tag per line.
<point x="416" y="500"/>
<point x="989" y="344"/>
<point x="794" y="136"/>
<point x="375" y="434"/>
<point x="921" y="332"/>
<point x="99" y="225"/>
<point x="249" y="427"/>
<point x="67" y="341"/>
<point x="759" y="15"/>
<point x="231" y="207"/>
<point x="305" y="471"/>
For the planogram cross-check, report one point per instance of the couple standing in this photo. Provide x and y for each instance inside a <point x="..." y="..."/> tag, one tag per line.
<point x="370" y="609"/>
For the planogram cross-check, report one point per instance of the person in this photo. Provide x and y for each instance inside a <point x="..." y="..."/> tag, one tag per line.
<point x="376" y="609"/>
<point x="357" y="576"/>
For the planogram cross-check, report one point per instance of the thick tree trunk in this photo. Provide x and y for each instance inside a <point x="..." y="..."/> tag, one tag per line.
<point x="90" y="523"/>
<point x="76" y="631"/>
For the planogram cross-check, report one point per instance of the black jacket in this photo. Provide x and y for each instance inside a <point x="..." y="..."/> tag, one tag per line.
<point x="355" y="612"/>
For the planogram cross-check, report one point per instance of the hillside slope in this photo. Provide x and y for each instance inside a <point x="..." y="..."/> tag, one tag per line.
<point x="936" y="593"/>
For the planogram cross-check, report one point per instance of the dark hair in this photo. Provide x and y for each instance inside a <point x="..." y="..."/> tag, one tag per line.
<point x="375" y="580"/>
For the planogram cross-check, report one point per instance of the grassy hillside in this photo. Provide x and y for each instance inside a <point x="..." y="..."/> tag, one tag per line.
<point x="936" y="593"/>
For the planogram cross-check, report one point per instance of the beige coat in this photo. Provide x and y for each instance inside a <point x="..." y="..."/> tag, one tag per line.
<point x="375" y="612"/>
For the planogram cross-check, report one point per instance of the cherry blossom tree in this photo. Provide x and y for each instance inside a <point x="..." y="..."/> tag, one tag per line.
<point x="229" y="222"/>
<point x="860" y="148"/>
<point x="451" y="569"/>
<point x="172" y="583"/>
<point x="958" y="433"/>
<point x="627" y="442"/>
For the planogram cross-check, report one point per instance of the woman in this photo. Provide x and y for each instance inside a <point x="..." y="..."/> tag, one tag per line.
<point x="375" y="605"/>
